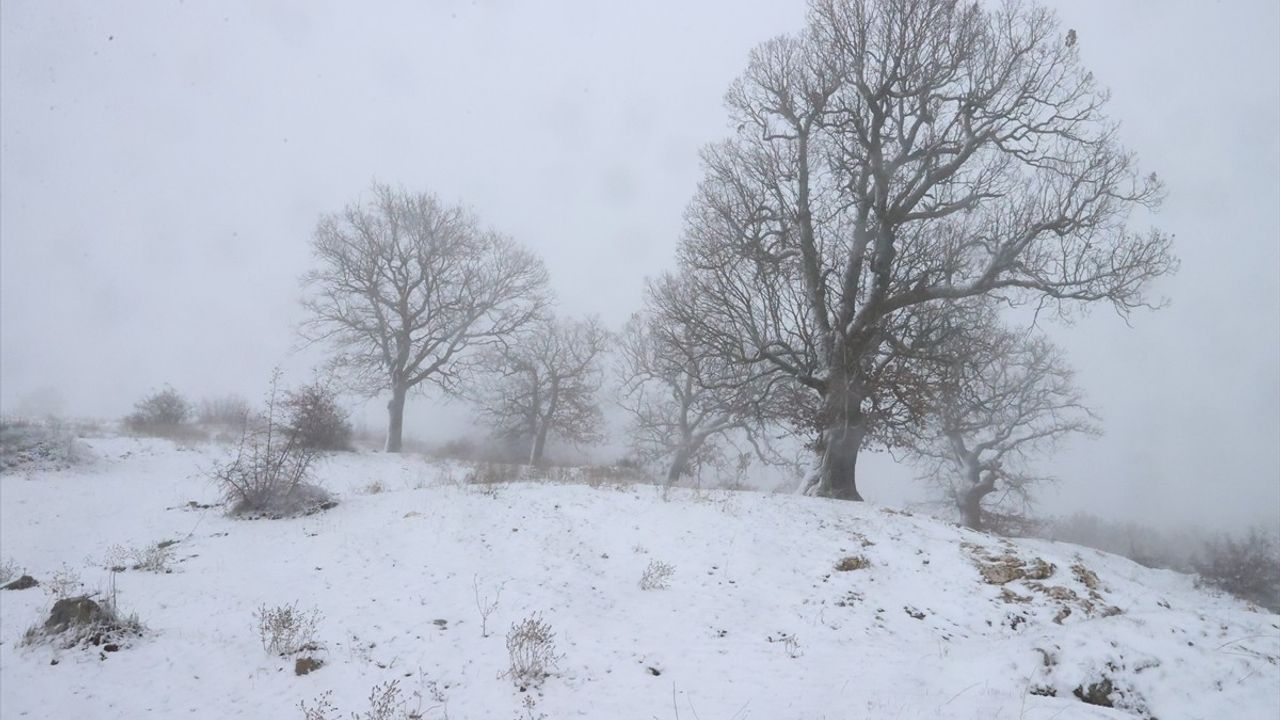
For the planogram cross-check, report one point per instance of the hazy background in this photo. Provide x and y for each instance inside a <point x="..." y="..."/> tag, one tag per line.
<point x="162" y="166"/>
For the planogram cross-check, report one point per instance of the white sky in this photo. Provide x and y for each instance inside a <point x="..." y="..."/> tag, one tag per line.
<point x="162" y="165"/>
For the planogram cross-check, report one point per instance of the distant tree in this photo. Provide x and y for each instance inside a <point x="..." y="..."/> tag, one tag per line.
<point x="229" y="410"/>
<point x="314" y="418"/>
<point x="899" y="154"/>
<point x="407" y="289"/>
<point x="1002" y="400"/>
<point x="162" y="412"/>
<point x="1247" y="567"/>
<point x="545" y="382"/>
<point x="681" y="396"/>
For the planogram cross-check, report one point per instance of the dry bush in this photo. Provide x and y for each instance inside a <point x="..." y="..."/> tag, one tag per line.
<point x="64" y="583"/>
<point x="531" y="646"/>
<point x="375" y="487"/>
<point x="1247" y="567"/>
<point x="39" y="445"/>
<point x="156" y="558"/>
<point x="9" y="570"/>
<point x="386" y="702"/>
<point x="269" y="473"/>
<point x="230" y="411"/>
<point x="285" y="630"/>
<point x="485" y="604"/>
<point x="164" y="413"/>
<point x="657" y="576"/>
<point x="82" y="621"/>
<point x="315" y="418"/>
<point x="852" y="562"/>
<point x="491" y="473"/>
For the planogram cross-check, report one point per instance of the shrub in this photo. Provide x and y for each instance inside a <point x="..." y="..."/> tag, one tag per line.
<point x="268" y="475"/>
<point x="490" y="473"/>
<point x="8" y="571"/>
<point x="386" y="702"/>
<point x="315" y="419"/>
<point x="81" y="621"/>
<point x="657" y="576"/>
<point x="154" y="558"/>
<point x="64" y="583"/>
<point x="228" y="411"/>
<point x="164" y="413"/>
<point x="1248" y="567"/>
<point x="532" y="649"/>
<point x="27" y="444"/>
<point x="285" y="630"/>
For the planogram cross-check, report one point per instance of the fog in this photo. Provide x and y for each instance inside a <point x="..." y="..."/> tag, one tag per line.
<point x="163" y="166"/>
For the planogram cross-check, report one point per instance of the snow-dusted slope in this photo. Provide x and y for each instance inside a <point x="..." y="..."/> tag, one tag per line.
<point x="756" y="623"/>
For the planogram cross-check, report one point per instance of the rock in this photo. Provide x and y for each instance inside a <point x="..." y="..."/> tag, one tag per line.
<point x="305" y="665"/>
<point x="22" y="583"/>
<point x="1098" y="693"/>
<point x="72" y="611"/>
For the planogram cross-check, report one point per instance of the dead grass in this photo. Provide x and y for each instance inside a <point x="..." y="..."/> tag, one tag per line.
<point x="850" y="563"/>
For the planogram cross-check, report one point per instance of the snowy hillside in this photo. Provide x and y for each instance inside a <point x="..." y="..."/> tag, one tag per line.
<point x="922" y="620"/>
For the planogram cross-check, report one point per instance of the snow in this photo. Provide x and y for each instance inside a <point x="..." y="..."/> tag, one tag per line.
<point x="916" y="634"/>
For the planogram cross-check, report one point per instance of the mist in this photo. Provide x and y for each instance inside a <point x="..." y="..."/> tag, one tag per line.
<point x="164" y="166"/>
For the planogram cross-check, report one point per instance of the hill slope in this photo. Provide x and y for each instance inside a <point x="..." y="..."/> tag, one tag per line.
<point x="933" y="621"/>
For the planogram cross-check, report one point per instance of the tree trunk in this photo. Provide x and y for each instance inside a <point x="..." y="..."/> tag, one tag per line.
<point x="539" y="444"/>
<point x="842" y="438"/>
<point x="679" y="464"/>
<point x="395" y="421"/>
<point x="971" y="500"/>
<point x="837" y="472"/>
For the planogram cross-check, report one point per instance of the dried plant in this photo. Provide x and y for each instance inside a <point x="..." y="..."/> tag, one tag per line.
<point x="285" y="630"/>
<point x="657" y="576"/>
<point x="532" y="648"/>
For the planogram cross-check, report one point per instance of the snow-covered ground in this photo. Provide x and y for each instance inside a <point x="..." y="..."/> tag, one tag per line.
<point x="757" y="621"/>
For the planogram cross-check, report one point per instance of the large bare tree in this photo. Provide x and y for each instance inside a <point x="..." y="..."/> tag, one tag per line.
<point x="1002" y="399"/>
<point x="546" y="382"/>
<point x="408" y="288"/>
<point x="894" y="155"/>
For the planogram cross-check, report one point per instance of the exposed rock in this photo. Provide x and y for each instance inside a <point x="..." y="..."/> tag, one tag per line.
<point x="72" y="611"/>
<point x="22" y="583"/>
<point x="1098" y="693"/>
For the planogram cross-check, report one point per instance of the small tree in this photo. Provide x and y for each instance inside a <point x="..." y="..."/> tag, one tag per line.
<point x="270" y="472"/>
<point x="681" y="396"/>
<point x="546" y="383"/>
<point x="162" y="412"/>
<point x="1002" y="400"/>
<point x="315" y="419"/>
<point x="407" y="287"/>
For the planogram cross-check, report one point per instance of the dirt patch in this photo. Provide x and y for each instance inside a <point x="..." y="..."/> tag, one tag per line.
<point x="1005" y="568"/>
<point x="852" y="562"/>
<point x="1085" y="576"/>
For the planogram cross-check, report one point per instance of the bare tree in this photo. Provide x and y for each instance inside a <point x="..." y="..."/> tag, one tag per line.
<point x="898" y="154"/>
<point x="1002" y="400"/>
<point x="546" y="382"/>
<point x="408" y="288"/>
<point x="680" y="395"/>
